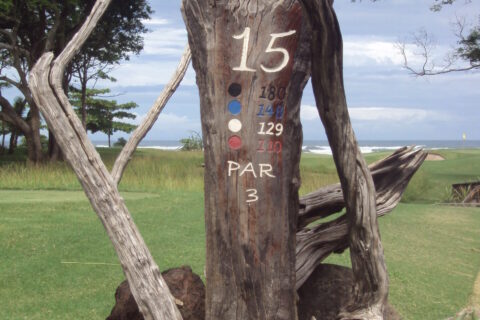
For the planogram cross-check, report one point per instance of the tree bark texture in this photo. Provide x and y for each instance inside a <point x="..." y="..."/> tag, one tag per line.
<point x="366" y="251"/>
<point x="13" y="141"/>
<point x="390" y="175"/>
<point x="54" y="152"/>
<point x="148" y="287"/>
<point x="252" y="63"/>
<point x="35" y="124"/>
<point x="4" y="132"/>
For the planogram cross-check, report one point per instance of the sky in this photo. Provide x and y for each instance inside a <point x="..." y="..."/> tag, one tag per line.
<point x="385" y="101"/>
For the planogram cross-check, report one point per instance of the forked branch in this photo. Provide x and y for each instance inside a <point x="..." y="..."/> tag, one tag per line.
<point x="148" y="287"/>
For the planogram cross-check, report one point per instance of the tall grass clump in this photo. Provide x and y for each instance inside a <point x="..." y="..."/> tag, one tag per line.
<point x="155" y="170"/>
<point x="316" y="171"/>
<point x="417" y="188"/>
<point x="148" y="171"/>
<point x="47" y="176"/>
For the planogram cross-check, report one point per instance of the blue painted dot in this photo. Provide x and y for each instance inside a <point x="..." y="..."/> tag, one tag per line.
<point x="235" y="107"/>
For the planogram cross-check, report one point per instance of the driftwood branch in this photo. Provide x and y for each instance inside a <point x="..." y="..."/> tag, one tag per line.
<point x="152" y="116"/>
<point x="366" y="251"/>
<point x="472" y="195"/>
<point x="148" y="287"/>
<point x="390" y="175"/>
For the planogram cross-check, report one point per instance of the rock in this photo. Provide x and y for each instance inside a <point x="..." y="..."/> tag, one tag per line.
<point x="326" y="291"/>
<point x="187" y="288"/>
<point x="322" y="295"/>
<point x="125" y="306"/>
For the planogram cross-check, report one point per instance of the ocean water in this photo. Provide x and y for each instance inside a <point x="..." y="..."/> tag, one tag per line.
<point x="322" y="147"/>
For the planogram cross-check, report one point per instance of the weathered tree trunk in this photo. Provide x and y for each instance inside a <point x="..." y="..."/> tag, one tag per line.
<point x="390" y="175"/>
<point x="83" y="99"/>
<point x="4" y="132"/>
<point x="143" y="275"/>
<point x="35" y="142"/>
<point x="252" y="63"/>
<point x="13" y="141"/>
<point x="366" y="252"/>
<point x="54" y="152"/>
<point x="9" y="113"/>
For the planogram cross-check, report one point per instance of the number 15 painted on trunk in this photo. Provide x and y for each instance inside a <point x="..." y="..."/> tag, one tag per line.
<point x="246" y="39"/>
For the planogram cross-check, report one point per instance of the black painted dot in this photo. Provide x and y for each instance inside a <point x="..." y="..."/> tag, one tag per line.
<point x="235" y="89"/>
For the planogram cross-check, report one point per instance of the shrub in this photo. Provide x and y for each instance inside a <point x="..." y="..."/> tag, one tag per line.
<point x="121" y="142"/>
<point x="194" y="142"/>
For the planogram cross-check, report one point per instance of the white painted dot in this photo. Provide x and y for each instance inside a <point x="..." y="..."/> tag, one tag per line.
<point x="234" y="125"/>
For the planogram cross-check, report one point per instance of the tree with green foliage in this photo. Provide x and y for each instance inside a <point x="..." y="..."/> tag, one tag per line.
<point x="103" y="115"/>
<point x="15" y="120"/>
<point x="29" y="28"/>
<point x="117" y="35"/>
<point x="121" y="142"/>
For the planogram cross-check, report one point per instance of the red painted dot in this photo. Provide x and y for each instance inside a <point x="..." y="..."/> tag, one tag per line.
<point x="235" y="142"/>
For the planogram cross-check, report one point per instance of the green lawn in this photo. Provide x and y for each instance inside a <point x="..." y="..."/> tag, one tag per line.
<point x="56" y="261"/>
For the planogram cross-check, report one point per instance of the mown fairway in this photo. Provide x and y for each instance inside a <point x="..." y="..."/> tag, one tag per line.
<point x="56" y="261"/>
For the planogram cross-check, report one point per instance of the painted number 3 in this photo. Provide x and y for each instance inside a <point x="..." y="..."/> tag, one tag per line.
<point x="252" y="195"/>
<point x="246" y="39"/>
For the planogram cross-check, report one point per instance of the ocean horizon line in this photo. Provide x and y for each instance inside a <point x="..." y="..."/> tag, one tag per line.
<point x="322" y="146"/>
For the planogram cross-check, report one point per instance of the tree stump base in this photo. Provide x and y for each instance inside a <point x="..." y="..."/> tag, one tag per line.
<point x="327" y="290"/>
<point x="186" y="286"/>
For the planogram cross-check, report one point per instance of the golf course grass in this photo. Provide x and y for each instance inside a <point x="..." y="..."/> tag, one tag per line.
<point x="56" y="261"/>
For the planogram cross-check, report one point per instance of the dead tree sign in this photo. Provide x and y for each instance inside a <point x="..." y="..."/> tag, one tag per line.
<point x="251" y="70"/>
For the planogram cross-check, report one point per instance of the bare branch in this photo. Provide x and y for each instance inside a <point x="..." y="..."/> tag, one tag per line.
<point x="9" y="35"/>
<point x="152" y="116"/>
<point x="12" y="48"/>
<point x="8" y="114"/>
<point x="53" y="31"/>
<point x="11" y="81"/>
<point x="425" y="45"/>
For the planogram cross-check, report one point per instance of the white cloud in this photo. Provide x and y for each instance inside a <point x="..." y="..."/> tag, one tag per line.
<point x="367" y="51"/>
<point x="170" y="125"/>
<point x="145" y="72"/>
<point x="308" y="113"/>
<point x="158" y="61"/>
<point x="165" y="41"/>
<point x="155" y="22"/>
<point x="359" y="52"/>
<point x="407" y="115"/>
